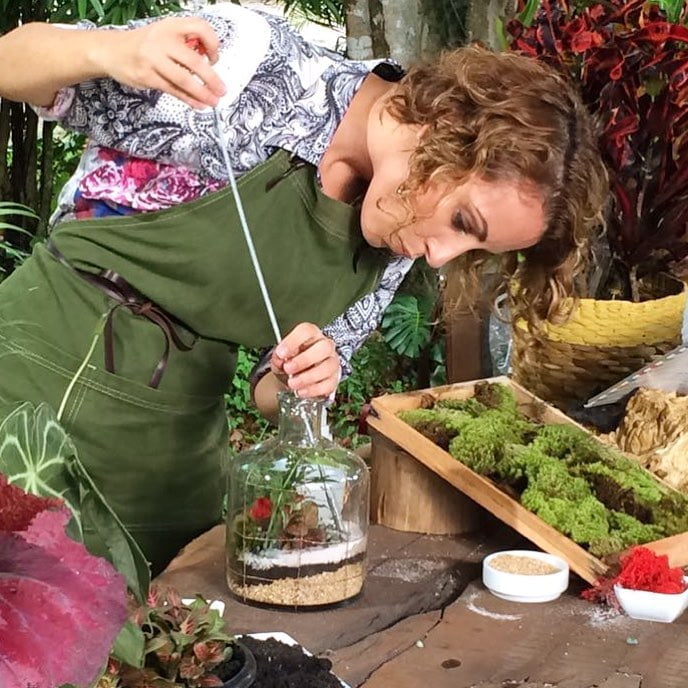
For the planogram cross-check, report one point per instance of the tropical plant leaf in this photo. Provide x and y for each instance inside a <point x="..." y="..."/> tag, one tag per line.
<point x="9" y="208"/>
<point x="406" y="326"/>
<point x="123" y="550"/>
<point x="528" y="13"/>
<point x="37" y="454"/>
<point x="673" y="8"/>
<point x="34" y="450"/>
<point x="326" y="12"/>
<point x="130" y="645"/>
<point x="61" y="607"/>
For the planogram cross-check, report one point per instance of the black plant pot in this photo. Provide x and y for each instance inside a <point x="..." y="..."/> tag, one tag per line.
<point x="246" y="676"/>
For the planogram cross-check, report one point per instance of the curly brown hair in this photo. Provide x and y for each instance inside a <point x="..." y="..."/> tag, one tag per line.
<point x="504" y="116"/>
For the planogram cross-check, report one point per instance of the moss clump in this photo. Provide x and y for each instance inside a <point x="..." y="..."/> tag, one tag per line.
<point x="567" y="442"/>
<point x="482" y="441"/>
<point x="595" y="495"/>
<point x="584" y="521"/>
<point x="439" y="425"/>
<point x="496" y="396"/>
<point x="471" y="406"/>
<point x="518" y="462"/>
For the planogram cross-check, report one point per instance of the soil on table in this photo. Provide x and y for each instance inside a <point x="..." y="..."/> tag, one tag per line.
<point x="284" y="666"/>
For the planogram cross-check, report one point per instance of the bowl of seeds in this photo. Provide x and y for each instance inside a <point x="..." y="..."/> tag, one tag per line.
<point x="525" y="575"/>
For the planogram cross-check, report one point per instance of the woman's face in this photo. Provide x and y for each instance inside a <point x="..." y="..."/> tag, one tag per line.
<point x="447" y="221"/>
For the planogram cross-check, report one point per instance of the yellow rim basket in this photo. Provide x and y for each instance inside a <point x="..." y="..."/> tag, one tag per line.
<point x="603" y="342"/>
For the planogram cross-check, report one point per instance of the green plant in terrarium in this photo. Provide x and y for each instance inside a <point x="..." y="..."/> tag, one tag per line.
<point x="297" y="514"/>
<point x="276" y="514"/>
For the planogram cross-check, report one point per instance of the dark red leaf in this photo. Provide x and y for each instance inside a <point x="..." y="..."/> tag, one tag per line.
<point x="17" y="508"/>
<point x="60" y="607"/>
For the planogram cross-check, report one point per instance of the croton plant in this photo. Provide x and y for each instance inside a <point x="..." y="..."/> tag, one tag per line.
<point x="60" y="607"/>
<point x="69" y="618"/>
<point x="630" y="59"/>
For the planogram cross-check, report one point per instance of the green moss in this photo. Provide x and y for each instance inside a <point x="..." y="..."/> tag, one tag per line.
<point x="482" y="441"/>
<point x="584" y="521"/>
<point x="452" y="420"/>
<point x="631" y="478"/>
<point x="567" y="442"/>
<point x="496" y="396"/>
<point x="671" y="514"/>
<point x="470" y="406"/>
<point x="632" y="531"/>
<point x="591" y="493"/>
<point x="551" y="478"/>
<point x="518" y="462"/>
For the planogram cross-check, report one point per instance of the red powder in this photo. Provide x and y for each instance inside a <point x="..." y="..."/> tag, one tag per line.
<point x="641" y="569"/>
<point x="17" y="508"/>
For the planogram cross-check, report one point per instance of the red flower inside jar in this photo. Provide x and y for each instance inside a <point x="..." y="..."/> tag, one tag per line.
<point x="261" y="509"/>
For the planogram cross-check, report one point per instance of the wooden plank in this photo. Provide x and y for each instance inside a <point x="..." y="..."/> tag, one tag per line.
<point x="675" y="547"/>
<point x="483" y="490"/>
<point x="466" y="337"/>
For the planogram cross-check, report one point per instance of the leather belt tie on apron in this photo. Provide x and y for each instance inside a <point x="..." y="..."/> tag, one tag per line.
<point x="119" y="290"/>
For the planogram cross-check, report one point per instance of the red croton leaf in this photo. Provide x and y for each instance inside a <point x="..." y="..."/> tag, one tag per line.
<point x="60" y="607"/>
<point x="261" y="509"/>
<point x="585" y="40"/>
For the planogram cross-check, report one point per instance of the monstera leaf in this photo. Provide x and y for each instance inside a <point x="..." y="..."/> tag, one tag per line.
<point x="37" y="454"/>
<point x="407" y="324"/>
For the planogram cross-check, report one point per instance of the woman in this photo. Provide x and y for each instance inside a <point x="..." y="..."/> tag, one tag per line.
<point x="347" y="175"/>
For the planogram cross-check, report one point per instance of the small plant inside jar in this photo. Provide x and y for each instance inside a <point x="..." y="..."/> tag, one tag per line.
<point x="281" y="510"/>
<point x="297" y="519"/>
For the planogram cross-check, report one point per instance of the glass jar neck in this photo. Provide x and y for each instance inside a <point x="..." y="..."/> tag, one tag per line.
<point x="300" y="420"/>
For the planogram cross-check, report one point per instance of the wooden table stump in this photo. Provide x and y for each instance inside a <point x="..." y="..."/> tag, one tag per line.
<point x="407" y="496"/>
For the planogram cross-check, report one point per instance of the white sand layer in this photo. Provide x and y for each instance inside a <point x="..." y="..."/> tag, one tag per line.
<point x="312" y="556"/>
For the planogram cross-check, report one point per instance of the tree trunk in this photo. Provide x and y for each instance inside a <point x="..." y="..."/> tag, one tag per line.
<point x="46" y="184"/>
<point x="402" y="31"/>
<point x="5" y="128"/>
<point x="483" y="17"/>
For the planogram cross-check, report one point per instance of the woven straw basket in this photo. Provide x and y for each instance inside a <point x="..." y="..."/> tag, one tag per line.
<point x="603" y="342"/>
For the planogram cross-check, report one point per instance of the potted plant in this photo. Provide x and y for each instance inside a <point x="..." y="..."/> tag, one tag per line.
<point x="630" y="60"/>
<point x="185" y="646"/>
<point x="64" y="611"/>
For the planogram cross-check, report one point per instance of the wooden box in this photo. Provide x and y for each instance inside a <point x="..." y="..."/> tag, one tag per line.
<point x="484" y="491"/>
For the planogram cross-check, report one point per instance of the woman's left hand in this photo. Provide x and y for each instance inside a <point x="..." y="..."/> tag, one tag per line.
<point x="309" y="360"/>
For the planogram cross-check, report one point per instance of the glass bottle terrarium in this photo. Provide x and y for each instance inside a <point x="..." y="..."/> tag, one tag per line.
<point x="297" y="517"/>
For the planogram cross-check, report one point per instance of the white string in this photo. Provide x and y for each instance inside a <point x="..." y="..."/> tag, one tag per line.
<point x="244" y="227"/>
<point x="268" y="303"/>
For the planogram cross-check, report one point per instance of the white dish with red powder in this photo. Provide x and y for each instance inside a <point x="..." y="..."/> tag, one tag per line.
<point x="525" y="575"/>
<point x="652" y="606"/>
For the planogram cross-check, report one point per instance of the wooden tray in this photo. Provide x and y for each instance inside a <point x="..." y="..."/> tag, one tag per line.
<point x="483" y="490"/>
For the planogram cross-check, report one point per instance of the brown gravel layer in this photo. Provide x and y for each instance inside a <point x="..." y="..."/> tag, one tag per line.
<point x="322" y="588"/>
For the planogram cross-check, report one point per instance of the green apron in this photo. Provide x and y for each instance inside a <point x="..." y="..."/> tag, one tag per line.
<point x="156" y="453"/>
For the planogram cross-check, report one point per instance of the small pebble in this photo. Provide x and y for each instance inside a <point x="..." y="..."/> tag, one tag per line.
<point x="631" y="640"/>
<point x="420" y="643"/>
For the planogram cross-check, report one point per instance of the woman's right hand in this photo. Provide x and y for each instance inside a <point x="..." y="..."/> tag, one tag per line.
<point x="161" y="56"/>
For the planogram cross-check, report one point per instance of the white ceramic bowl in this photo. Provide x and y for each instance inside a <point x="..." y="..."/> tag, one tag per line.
<point x="519" y="587"/>
<point x="652" y="606"/>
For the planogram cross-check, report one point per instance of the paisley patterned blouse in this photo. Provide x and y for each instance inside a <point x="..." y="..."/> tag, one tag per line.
<point x="148" y="151"/>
